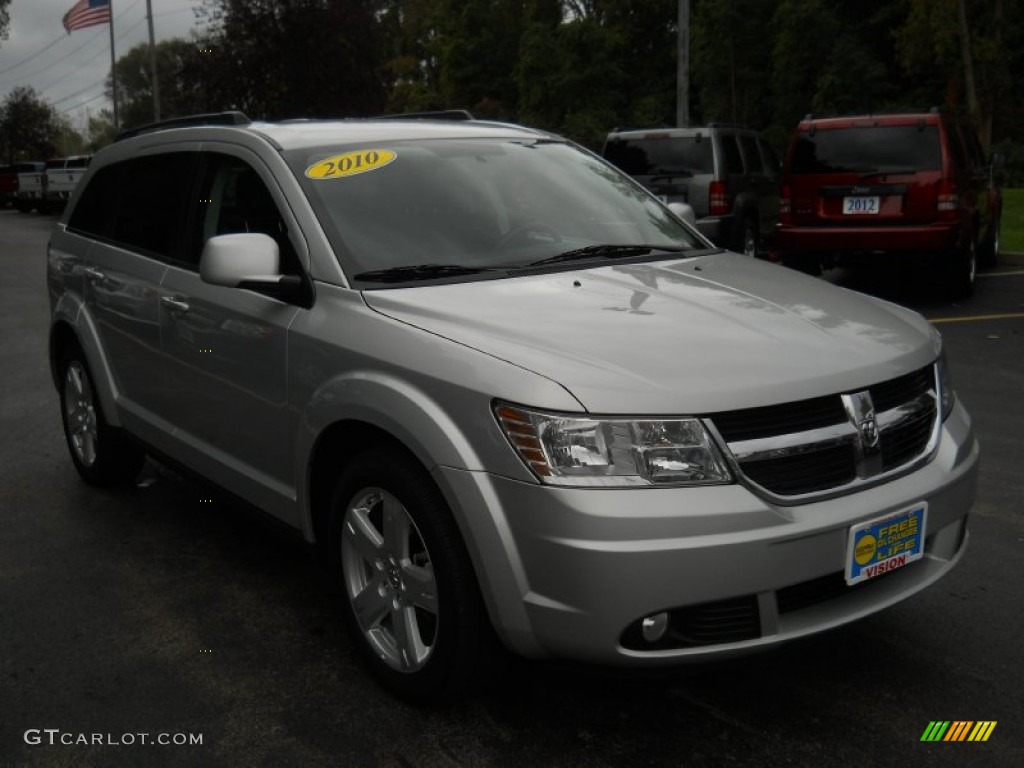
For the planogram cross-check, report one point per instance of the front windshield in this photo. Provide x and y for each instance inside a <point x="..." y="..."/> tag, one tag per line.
<point x="475" y="203"/>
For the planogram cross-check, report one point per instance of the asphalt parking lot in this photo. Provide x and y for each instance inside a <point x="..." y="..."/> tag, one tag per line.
<point x="167" y="610"/>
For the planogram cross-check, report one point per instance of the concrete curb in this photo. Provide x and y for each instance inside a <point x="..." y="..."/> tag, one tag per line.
<point x="1010" y="259"/>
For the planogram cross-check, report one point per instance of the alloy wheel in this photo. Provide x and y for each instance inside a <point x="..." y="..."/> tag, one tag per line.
<point x="80" y="411"/>
<point x="389" y="580"/>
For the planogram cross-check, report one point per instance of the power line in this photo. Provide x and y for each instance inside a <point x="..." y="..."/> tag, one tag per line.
<point x="77" y="93"/>
<point x="82" y="104"/>
<point x="96" y="35"/>
<point x="27" y="59"/>
<point x="96" y="55"/>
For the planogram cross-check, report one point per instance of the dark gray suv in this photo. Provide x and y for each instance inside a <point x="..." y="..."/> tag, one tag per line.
<point x="729" y="175"/>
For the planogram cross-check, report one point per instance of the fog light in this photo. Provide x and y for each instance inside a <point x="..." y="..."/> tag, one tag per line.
<point x="653" y="627"/>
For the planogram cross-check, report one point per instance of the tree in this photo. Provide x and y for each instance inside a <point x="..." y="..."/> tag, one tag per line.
<point x="294" y="58"/>
<point x="5" y="18"/>
<point x="182" y="69"/>
<point x="29" y="128"/>
<point x="964" y="43"/>
<point x="100" y="129"/>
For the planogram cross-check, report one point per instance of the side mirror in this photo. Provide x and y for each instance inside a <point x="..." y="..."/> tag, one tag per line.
<point x="684" y="212"/>
<point x="230" y="260"/>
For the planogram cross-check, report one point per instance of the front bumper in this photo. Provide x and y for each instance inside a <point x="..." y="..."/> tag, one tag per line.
<point x="567" y="572"/>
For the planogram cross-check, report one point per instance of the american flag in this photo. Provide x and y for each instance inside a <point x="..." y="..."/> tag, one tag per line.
<point x="87" y="13"/>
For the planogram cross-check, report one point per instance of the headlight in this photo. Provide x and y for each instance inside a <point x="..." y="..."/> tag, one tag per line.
<point x="563" y="449"/>
<point x="947" y="395"/>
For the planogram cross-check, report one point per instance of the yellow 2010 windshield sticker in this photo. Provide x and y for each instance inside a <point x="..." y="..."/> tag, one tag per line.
<point x="350" y="164"/>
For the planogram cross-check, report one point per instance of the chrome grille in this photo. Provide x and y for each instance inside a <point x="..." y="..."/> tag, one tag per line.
<point x="834" y="444"/>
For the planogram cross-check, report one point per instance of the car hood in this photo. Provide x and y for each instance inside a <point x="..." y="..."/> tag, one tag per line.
<point x="692" y="336"/>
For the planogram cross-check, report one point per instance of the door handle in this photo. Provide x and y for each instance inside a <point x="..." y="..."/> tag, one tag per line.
<point x="175" y="303"/>
<point x="93" y="274"/>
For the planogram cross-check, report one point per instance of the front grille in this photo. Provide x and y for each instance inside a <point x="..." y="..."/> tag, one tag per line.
<point x="767" y="421"/>
<point x="806" y="472"/>
<point x="816" y="446"/>
<point x="904" y="442"/>
<point x="896" y="392"/>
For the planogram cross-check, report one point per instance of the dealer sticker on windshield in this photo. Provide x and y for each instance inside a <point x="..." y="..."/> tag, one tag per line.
<point x="350" y="164"/>
<point x="885" y="543"/>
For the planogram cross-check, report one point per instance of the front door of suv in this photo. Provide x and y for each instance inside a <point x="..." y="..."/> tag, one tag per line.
<point x="226" y="348"/>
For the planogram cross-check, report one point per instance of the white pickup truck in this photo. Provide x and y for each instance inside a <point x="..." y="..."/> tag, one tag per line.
<point x="31" y="187"/>
<point x="62" y="175"/>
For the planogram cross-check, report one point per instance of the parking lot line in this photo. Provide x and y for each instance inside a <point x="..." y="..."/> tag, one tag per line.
<point x="975" y="318"/>
<point x="1001" y="274"/>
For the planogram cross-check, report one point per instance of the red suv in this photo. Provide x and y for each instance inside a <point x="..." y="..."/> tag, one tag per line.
<point x="858" y="190"/>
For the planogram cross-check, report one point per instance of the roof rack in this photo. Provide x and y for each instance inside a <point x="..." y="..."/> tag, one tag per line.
<point x="213" y="118"/>
<point x="441" y="114"/>
<point x="456" y="115"/>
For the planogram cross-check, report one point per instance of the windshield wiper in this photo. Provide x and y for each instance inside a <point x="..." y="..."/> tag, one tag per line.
<point x="418" y="272"/>
<point x="607" y="252"/>
<point x="893" y="172"/>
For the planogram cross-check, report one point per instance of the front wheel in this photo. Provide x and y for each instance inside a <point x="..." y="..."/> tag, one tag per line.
<point x="411" y="598"/>
<point x="103" y="455"/>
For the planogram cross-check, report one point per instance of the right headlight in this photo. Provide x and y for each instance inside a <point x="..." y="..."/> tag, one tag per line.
<point x="947" y="395"/>
<point x="569" y="449"/>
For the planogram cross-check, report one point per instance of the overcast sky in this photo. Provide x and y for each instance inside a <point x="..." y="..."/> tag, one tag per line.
<point x="69" y="71"/>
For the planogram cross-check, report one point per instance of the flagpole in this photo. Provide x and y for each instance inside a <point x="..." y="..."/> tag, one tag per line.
<point x="113" y="62"/>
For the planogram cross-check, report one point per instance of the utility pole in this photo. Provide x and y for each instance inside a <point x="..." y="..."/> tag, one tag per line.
<point x="113" y="67"/>
<point x="152" y="64"/>
<point x="683" y="67"/>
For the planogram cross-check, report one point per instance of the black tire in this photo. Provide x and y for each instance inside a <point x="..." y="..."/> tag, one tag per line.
<point x="750" y="242"/>
<point x="988" y="255"/>
<point x="454" y="647"/>
<point x="961" y="271"/>
<point x="103" y="455"/>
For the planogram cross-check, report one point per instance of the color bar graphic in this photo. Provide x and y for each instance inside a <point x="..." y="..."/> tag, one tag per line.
<point x="958" y="730"/>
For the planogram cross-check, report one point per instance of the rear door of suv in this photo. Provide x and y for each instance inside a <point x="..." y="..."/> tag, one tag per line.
<point x="865" y="172"/>
<point x="128" y="221"/>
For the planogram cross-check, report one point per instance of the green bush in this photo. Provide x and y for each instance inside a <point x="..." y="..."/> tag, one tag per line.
<point x="1013" y="220"/>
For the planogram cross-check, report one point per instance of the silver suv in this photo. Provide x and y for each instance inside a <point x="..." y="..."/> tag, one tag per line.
<point x="515" y="400"/>
<point x="728" y="174"/>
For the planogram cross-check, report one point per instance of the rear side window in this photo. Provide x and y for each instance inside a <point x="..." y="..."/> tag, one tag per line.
<point x="95" y="208"/>
<point x="731" y="155"/>
<point x="139" y="203"/>
<point x="652" y="156"/>
<point x="868" y="149"/>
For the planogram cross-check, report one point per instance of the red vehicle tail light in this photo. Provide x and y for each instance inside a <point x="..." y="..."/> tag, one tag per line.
<point x="946" y="199"/>
<point x="786" y="205"/>
<point x="718" y="204"/>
